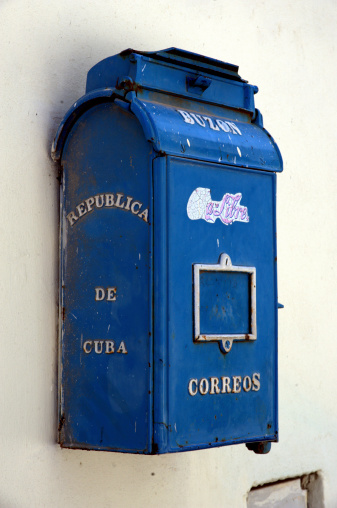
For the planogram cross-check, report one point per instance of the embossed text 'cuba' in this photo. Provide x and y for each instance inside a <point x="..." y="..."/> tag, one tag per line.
<point x="109" y="201"/>
<point x="201" y="206"/>
<point x="206" y="121"/>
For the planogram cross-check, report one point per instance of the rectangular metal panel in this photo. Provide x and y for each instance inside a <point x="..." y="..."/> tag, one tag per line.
<point x="212" y="397"/>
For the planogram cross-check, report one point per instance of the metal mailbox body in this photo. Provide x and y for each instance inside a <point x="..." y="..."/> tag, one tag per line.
<point x="168" y="293"/>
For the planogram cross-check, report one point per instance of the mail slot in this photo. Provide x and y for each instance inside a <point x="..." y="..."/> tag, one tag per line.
<point x="168" y="289"/>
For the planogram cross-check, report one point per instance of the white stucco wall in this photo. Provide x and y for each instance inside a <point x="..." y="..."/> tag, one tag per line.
<point x="288" y="49"/>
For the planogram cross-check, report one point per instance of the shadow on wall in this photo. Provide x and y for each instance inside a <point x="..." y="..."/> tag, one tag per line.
<point x="67" y="74"/>
<point x="66" y="81"/>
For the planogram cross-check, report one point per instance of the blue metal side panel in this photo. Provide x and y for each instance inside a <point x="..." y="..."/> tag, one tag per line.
<point x="106" y="336"/>
<point x="194" y="419"/>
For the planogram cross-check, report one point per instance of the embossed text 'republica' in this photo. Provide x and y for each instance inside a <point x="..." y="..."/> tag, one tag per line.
<point x="110" y="200"/>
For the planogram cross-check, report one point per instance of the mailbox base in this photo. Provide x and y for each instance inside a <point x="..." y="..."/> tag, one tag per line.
<point x="260" y="448"/>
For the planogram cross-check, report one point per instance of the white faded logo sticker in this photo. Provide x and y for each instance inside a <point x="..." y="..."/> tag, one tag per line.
<point x="228" y="210"/>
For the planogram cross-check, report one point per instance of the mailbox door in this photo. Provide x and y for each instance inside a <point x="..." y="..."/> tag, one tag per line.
<point x="105" y="326"/>
<point x="213" y="397"/>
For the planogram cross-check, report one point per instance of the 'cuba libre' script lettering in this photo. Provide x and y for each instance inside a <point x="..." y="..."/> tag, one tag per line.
<point x="117" y="200"/>
<point x="224" y="384"/>
<point x="201" y="206"/>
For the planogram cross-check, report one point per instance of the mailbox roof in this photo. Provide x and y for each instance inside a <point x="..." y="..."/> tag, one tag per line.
<point x="187" y="105"/>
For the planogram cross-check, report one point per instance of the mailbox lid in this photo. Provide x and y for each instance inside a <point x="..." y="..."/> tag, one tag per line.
<point x="205" y="132"/>
<point x="212" y="398"/>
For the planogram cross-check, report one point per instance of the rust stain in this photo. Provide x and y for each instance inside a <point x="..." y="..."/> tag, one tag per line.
<point x="128" y="85"/>
<point x="61" y="422"/>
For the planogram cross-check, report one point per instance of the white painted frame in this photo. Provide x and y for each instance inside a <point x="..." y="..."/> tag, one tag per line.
<point x="224" y="265"/>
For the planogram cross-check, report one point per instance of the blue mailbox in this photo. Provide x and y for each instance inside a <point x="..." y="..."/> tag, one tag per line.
<point x="168" y="290"/>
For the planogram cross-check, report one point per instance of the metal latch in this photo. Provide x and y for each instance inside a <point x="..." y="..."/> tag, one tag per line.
<point x="197" y="85"/>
